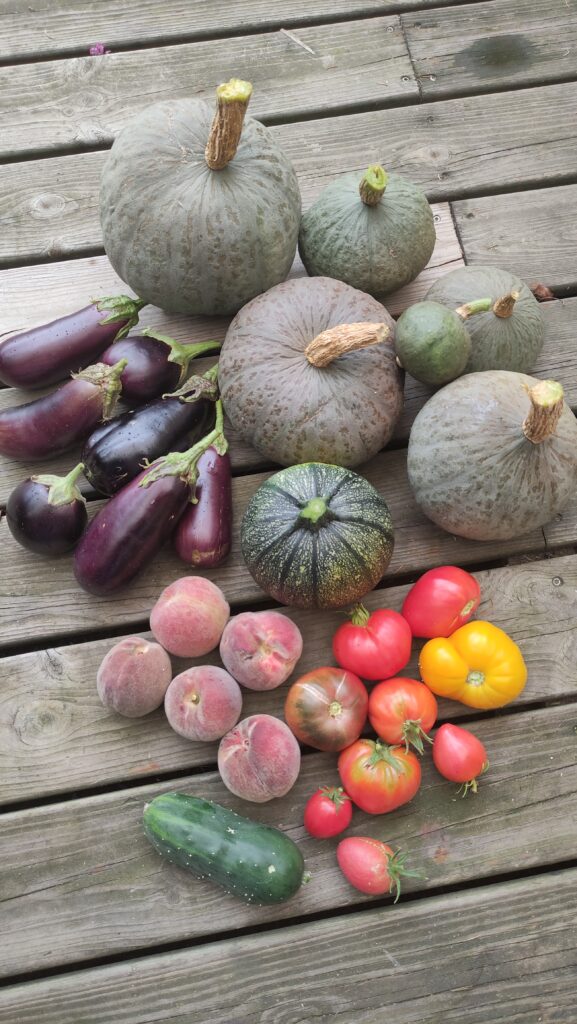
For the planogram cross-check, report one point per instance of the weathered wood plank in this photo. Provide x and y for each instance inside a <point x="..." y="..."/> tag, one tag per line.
<point x="84" y="102"/>
<point x="79" y="879"/>
<point x="511" y="956"/>
<point x="40" y="599"/>
<point x="49" y="208"/>
<point x="64" y="26"/>
<point x="504" y="43"/>
<point x="55" y="736"/>
<point x="529" y="233"/>
<point x="557" y="361"/>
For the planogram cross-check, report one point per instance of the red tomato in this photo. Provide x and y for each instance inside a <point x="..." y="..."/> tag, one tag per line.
<point x="327" y="708"/>
<point x="379" y="778"/>
<point x="328" y="812"/>
<point x="371" y="866"/>
<point x="440" y="601"/>
<point x="374" y="646"/>
<point x="459" y="756"/>
<point x="402" y="711"/>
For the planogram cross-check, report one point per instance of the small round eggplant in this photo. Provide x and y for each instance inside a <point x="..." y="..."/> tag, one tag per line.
<point x="117" y="451"/>
<point x="204" y="533"/>
<point x="156" y="363"/>
<point x="48" y="354"/>
<point x="50" y="425"/>
<point x="47" y="514"/>
<point x="128" y="531"/>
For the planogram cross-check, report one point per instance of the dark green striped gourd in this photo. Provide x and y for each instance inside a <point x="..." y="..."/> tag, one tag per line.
<point x="317" y="536"/>
<point x="253" y="861"/>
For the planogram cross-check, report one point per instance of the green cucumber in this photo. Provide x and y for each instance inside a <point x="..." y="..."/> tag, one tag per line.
<point x="255" y="862"/>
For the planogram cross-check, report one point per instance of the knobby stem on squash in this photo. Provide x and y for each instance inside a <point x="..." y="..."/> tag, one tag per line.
<point x="232" y="100"/>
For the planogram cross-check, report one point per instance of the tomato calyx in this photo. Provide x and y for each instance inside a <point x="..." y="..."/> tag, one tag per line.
<point x="414" y="734"/>
<point x="336" y="794"/>
<point x="359" y="615"/>
<point x="473" y="784"/>
<point x="335" y="708"/>
<point x="475" y="678"/>
<point x="397" y="871"/>
<point x="384" y="752"/>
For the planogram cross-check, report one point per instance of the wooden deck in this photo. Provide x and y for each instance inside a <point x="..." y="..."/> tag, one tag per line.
<point x="477" y="103"/>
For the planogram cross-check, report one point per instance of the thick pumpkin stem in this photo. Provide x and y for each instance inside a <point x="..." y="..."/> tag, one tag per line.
<point x="232" y="100"/>
<point x="546" y="408"/>
<point x="470" y="308"/>
<point x="373" y="184"/>
<point x="504" y="306"/>
<point x="337" y="341"/>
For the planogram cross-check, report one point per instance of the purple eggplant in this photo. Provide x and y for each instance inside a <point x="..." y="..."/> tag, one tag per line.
<point x="48" y="354"/>
<point x="128" y="531"/>
<point x="50" y="425"/>
<point x="117" y="451"/>
<point x="47" y="514"/>
<point x="204" y="533"/>
<point x="156" y="363"/>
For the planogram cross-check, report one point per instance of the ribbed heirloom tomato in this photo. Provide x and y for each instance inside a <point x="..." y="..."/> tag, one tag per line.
<point x="379" y="778"/>
<point x="374" y="646"/>
<point x="402" y="711"/>
<point x="440" y="601"/>
<point x="479" y="665"/>
<point x="327" y="708"/>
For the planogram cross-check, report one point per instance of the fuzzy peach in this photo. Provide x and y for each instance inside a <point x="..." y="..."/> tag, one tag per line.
<point x="203" y="703"/>
<point x="259" y="759"/>
<point x="189" y="617"/>
<point x="260" y="649"/>
<point x="133" y="677"/>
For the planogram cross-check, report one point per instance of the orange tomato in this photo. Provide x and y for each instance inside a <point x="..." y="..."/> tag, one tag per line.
<point x="478" y="665"/>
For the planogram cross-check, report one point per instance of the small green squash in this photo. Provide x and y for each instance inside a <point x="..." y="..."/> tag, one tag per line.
<point x="199" y="211"/>
<point x="432" y="343"/>
<point x="493" y="455"/>
<point x="317" y="536"/>
<point x="508" y="336"/>
<point x="255" y="862"/>
<point x="376" y="233"/>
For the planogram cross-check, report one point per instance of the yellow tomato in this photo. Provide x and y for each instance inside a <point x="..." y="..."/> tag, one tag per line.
<point x="478" y="665"/>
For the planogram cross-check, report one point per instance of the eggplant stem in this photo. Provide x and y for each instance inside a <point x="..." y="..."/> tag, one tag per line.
<point x="184" y="464"/>
<point x="62" y="490"/>
<point x="181" y="354"/>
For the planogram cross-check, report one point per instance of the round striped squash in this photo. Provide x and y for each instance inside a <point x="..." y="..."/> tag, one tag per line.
<point x="317" y="536"/>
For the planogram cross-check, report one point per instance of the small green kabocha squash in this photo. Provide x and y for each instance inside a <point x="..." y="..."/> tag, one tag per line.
<point x="199" y="211"/>
<point x="493" y="455"/>
<point x="307" y="372"/>
<point x="317" y="536"/>
<point x="508" y="336"/>
<point x="375" y="232"/>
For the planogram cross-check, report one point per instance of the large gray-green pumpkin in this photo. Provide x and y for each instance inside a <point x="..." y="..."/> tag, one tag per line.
<point x="493" y="455"/>
<point x="293" y="405"/>
<point x="507" y="337"/>
<point x="193" y="238"/>
<point x="375" y="232"/>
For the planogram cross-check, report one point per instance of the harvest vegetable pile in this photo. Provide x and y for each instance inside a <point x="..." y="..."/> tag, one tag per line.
<point x="201" y="214"/>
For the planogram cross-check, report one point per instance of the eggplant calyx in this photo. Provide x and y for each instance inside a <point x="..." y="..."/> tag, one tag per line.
<point x="62" y="490"/>
<point x="121" y="308"/>
<point x="184" y="464"/>
<point x="107" y="378"/>
<point x="181" y="354"/>
<point x="196" y="388"/>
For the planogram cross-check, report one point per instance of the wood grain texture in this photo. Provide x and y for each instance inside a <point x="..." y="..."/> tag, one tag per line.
<point x="80" y="880"/>
<point x="504" y="43"/>
<point x="55" y="736"/>
<point x="512" y="957"/>
<point x="65" y="26"/>
<point x="533" y="234"/>
<point x="39" y="598"/>
<point x="86" y="101"/>
<point x="49" y="207"/>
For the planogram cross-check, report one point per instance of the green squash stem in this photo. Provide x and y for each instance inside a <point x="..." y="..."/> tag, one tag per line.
<point x="314" y="511"/>
<point x="62" y="490"/>
<point x="373" y="184"/>
<point x="470" y="308"/>
<point x="232" y="100"/>
<point x="337" y="341"/>
<point x="546" y="408"/>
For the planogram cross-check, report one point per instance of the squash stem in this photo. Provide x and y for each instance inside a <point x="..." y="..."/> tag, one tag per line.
<point x="314" y="510"/>
<point x="504" y="306"/>
<point x="337" y="341"/>
<point x="546" y="408"/>
<point x="477" y="306"/>
<point x="232" y="100"/>
<point x="373" y="184"/>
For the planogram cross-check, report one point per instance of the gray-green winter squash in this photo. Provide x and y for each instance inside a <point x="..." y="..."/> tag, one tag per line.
<point x="199" y="211"/>
<point x="375" y="232"/>
<point x="307" y="372"/>
<point x="509" y="336"/>
<point x="493" y="455"/>
<point x="317" y="536"/>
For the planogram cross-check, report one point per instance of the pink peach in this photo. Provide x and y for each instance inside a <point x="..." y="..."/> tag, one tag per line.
<point x="189" y="617"/>
<point x="259" y="759"/>
<point x="133" y="677"/>
<point x="260" y="649"/>
<point x="203" y="703"/>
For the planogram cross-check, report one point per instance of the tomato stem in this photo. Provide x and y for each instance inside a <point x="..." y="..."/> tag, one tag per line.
<point x="413" y="733"/>
<point x="397" y="871"/>
<point x="336" y="794"/>
<point x="359" y="615"/>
